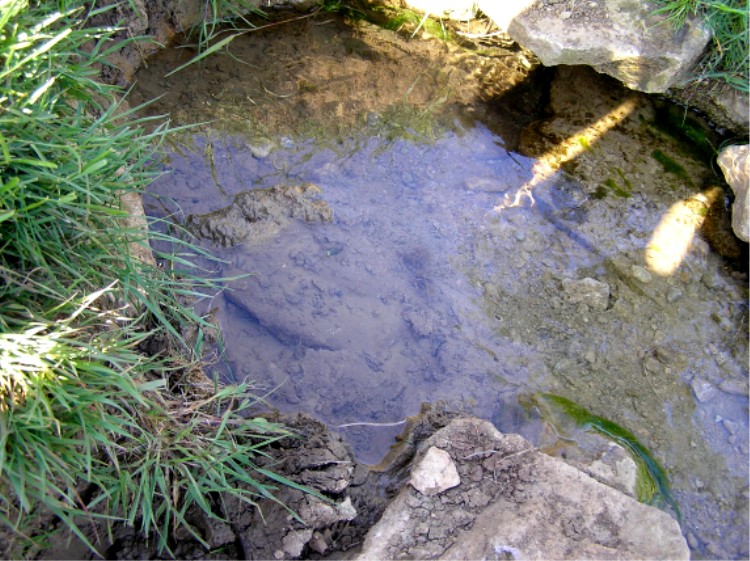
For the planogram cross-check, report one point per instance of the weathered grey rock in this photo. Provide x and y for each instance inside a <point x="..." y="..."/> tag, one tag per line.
<point x="725" y="106"/>
<point x="622" y="38"/>
<point x="435" y="473"/>
<point x="596" y="456"/>
<point x="534" y="507"/>
<point x="734" y="386"/>
<point x="734" y="161"/>
<point x="588" y="291"/>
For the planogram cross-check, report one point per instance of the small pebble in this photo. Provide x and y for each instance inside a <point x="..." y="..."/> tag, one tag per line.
<point x="640" y="274"/>
<point x="673" y="294"/>
<point x="734" y="387"/>
<point x="261" y="148"/>
<point x="716" y="551"/>
<point x="692" y="540"/>
<point x="703" y="390"/>
<point x="731" y="426"/>
<point x="373" y="119"/>
<point x="710" y="281"/>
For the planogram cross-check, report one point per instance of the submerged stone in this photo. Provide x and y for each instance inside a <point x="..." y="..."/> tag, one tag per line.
<point x="258" y="215"/>
<point x="588" y="291"/>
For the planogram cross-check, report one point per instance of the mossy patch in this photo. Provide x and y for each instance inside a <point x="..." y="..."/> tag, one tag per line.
<point x="693" y="138"/>
<point x="670" y="165"/>
<point x="622" y="189"/>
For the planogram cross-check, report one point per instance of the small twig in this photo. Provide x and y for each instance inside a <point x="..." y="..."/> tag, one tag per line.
<point x="280" y="96"/>
<point x="647" y="375"/>
<point x="480" y="35"/>
<point x="421" y="23"/>
<point x="266" y="26"/>
<point x="490" y="452"/>
<point x="345" y="425"/>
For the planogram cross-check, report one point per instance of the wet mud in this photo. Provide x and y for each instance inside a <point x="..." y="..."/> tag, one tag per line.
<point x="486" y="228"/>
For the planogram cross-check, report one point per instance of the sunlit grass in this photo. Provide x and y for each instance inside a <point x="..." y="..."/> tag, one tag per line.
<point x="91" y="429"/>
<point x="729" y="57"/>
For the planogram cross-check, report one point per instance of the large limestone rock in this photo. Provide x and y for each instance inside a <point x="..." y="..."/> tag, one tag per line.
<point x="735" y="163"/>
<point x="621" y="38"/>
<point x="514" y="502"/>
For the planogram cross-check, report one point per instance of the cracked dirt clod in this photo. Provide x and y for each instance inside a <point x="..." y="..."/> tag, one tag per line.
<point x="259" y="215"/>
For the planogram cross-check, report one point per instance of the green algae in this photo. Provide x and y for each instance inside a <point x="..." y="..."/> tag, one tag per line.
<point x="600" y="192"/>
<point x="670" y="165"/>
<point x="617" y="189"/>
<point x="652" y="483"/>
<point x="693" y="137"/>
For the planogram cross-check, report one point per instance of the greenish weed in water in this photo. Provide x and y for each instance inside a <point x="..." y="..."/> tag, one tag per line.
<point x="671" y="166"/>
<point x="617" y="189"/>
<point x="584" y="142"/>
<point x="625" y="180"/>
<point x="694" y="138"/>
<point x="652" y="483"/>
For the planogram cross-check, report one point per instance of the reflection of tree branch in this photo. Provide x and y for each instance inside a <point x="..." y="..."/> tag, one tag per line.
<point x="491" y="452"/>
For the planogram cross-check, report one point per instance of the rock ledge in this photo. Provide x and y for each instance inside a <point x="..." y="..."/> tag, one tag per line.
<point x="516" y="502"/>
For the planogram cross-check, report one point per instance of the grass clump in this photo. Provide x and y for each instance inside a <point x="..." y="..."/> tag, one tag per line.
<point x="405" y="19"/>
<point x="91" y="429"/>
<point x="729" y="57"/>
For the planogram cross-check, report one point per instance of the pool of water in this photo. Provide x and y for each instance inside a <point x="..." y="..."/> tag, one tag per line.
<point x="456" y="269"/>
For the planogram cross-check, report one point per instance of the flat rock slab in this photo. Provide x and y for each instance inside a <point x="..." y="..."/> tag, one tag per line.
<point x="515" y="502"/>
<point x="622" y="38"/>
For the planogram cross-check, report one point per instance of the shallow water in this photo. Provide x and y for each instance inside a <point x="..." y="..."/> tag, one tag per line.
<point x="452" y="272"/>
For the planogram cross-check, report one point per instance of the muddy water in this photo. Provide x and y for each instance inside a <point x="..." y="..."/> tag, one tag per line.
<point x="479" y="248"/>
